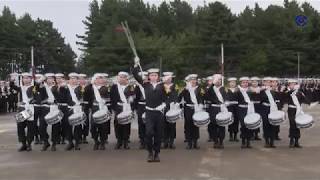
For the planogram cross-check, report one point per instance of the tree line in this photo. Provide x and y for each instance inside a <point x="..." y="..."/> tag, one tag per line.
<point x="187" y="40"/>
<point x="18" y="35"/>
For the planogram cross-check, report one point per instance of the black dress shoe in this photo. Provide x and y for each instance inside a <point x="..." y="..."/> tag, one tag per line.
<point x="45" y="146"/>
<point x="84" y="140"/>
<point x="297" y="146"/>
<point x="172" y="146"/>
<point x="69" y="147"/>
<point x="126" y="145"/>
<point x="77" y="147"/>
<point x="118" y="146"/>
<point x="37" y="141"/>
<point x="102" y="146"/>
<point x="156" y="158"/>
<point x="165" y="145"/>
<point x="96" y="146"/>
<point x="189" y="146"/>
<point x="23" y="148"/>
<point x="142" y="146"/>
<point x="150" y="157"/>
<point x="29" y="147"/>
<point x="53" y="147"/>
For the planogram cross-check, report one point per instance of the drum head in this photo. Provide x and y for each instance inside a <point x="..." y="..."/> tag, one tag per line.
<point x="200" y="116"/>
<point x="304" y="119"/>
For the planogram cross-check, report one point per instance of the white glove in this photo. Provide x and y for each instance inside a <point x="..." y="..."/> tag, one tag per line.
<point x="136" y="61"/>
<point x="160" y="107"/>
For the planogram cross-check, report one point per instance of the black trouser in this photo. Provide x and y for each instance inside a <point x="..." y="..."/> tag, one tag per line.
<point x="245" y="132"/>
<point x="154" y="122"/>
<point x="169" y="131"/>
<point x="257" y="109"/>
<point x="234" y="127"/>
<point x="99" y="131"/>
<point x="21" y="126"/>
<point x="141" y="125"/>
<point x="191" y="130"/>
<point x="294" y="132"/>
<point x="38" y="117"/>
<point x="66" y="129"/>
<point x="218" y="132"/>
<point x="122" y="130"/>
<point x="269" y="131"/>
<point x="11" y="107"/>
<point x="55" y="129"/>
<point x="86" y="126"/>
<point x="3" y="105"/>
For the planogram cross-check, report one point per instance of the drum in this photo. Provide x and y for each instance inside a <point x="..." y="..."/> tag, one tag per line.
<point x="77" y="118"/>
<point x="23" y="115"/>
<point x="252" y="121"/>
<point x="224" y="118"/>
<point x="125" y="117"/>
<point x="201" y="119"/>
<point x="53" y="117"/>
<point x="101" y="116"/>
<point x="172" y="116"/>
<point x="276" y="117"/>
<point x="304" y="120"/>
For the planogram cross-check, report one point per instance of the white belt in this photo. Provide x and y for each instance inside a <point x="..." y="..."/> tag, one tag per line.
<point x="231" y="102"/>
<point x="266" y="104"/>
<point x="190" y="105"/>
<point x="37" y="105"/>
<point x="62" y="104"/>
<point x="120" y="104"/>
<point x="277" y="100"/>
<point x="243" y="105"/>
<point x="255" y="102"/>
<point x="151" y="109"/>
<point x="142" y="103"/>
<point x="85" y="102"/>
<point x="216" y="105"/>
<point x="292" y="106"/>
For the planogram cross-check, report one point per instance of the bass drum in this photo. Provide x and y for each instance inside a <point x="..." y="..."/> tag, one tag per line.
<point x="101" y="116"/>
<point x="252" y="121"/>
<point x="77" y="119"/>
<point x="276" y="117"/>
<point x="201" y="119"/>
<point x="125" y="117"/>
<point x="224" y="118"/>
<point x="304" y="121"/>
<point x="172" y="116"/>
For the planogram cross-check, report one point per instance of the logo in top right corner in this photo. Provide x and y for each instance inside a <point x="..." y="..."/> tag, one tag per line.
<point x="301" y="20"/>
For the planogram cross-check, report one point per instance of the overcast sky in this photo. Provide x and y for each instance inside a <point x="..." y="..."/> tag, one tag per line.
<point x="67" y="15"/>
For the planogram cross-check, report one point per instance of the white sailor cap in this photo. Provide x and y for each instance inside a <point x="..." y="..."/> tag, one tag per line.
<point x="267" y="78"/>
<point x="39" y="75"/>
<point x="168" y="74"/>
<point x="144" y="73"/>
<point x="122" y="73"/>
<point x="217" y="76"/>
<point x="209" y="78"/>
<point x="244" y="78"/>
<point x="105" y="75"/>
<point x="73" y="74"/>
<point x="153" y="70"/>
<point x="26" y="74"/>
<point x="255" y="78"/>
<point x="59" y="75"/>
<point x="232" y="79"/>
<point x="292" y="81"/>
<point x="275" y="79"/>
<point x="82" y="75"/>
<point x="192" y="77"/>
<point x="49" y="75"/>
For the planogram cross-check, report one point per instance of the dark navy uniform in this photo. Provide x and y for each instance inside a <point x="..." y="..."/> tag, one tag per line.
<point x="191" y="130"/>
<point x="218" y="132"/>
<point x="140" y="107"/>
<point x="232" y="104"/>
<point x="122" y="131"/>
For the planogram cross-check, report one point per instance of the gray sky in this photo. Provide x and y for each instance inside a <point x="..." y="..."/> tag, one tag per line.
<point x="67" y="15"/>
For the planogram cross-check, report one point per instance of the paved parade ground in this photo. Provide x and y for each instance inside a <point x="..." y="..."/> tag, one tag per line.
<point x="206" y="163"/>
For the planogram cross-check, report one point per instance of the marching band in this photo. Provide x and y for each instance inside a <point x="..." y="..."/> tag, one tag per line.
<point x="75" y="106"/>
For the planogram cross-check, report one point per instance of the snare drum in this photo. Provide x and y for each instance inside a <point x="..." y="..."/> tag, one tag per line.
<point x="252" y="121"/>
<point x="201" y="119"/>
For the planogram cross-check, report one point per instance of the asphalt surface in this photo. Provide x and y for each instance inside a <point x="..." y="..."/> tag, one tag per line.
<point x="231" y="163"/>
